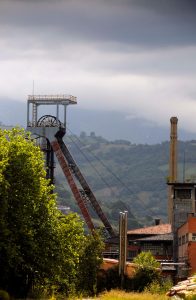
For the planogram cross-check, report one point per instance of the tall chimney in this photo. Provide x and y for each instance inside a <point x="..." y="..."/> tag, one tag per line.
<point x="173" y="150"/>
<point x="172" y="163"/>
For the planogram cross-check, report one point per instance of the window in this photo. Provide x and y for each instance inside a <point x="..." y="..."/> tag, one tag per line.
<point x="179" y="241"/>
<point x="132" y="254"/>
<point x="183" y="239"/>
<point x="183" y="205"/>
<point x="194" y="237"/>
<point x="156" y="249"/>
<point x="183" y="193"/>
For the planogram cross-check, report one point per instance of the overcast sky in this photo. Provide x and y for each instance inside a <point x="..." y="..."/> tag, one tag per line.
<point x="133" y="56"/>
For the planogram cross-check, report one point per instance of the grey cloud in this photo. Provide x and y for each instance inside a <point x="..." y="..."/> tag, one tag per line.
<point x="133" y="56"/>
<point x="176" y="8"/>
<point x="133" y="22"/>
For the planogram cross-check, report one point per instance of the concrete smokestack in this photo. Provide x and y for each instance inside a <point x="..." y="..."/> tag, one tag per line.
<point x="173" y="172"/>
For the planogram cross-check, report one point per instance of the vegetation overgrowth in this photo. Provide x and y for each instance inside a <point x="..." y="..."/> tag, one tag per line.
<point x="119" y="295"/>
<point x="146" y="278"/>
<point x="146" y="273"/>
<point x="42" y="251"/>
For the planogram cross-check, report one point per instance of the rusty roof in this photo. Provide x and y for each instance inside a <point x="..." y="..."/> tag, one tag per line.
<point x="158" y="237"/>
<point x="156" y="229"/>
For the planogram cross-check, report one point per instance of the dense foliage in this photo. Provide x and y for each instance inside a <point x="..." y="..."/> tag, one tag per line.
<point x="147" y="271"/>
<point x="41" y="250"/>
<point x="146" y="277"/>
<point x="90" y="260"/>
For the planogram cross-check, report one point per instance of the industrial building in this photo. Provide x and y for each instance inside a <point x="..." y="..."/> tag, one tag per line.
<point x="173" y="244"/>
<point x="187" y="246"/>
<point x="181" y="212"/>
<point x="157" y="239"/>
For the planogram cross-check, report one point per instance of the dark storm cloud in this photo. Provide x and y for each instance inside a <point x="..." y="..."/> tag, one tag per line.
<point x="135" y="22"/>
<point x="136" y="56"/>
<point x="176" y="8"/>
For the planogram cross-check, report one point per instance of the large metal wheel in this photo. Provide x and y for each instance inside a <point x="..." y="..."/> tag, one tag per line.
<point x="49" y="121"/>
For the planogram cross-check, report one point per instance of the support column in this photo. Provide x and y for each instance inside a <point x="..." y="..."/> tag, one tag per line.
<point x="65" y="116"/>
<point x="57" y="112"/>
<point x="28" y="113"/>
<point x="34" y="115"/>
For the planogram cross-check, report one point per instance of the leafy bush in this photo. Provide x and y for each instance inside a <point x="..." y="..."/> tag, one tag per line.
<point x="159" y="287"/>
<point x="113" y="278"/>
<point x="147" y="271"/>
<point x="146" y="261"/>
<point x="90" y="260"/>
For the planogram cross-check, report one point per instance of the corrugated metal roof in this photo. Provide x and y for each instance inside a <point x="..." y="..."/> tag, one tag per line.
<point x="159" y="237"/>
<point x="157" y="229"/>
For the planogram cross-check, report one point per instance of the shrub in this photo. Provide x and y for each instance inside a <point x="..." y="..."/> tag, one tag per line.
<point x="90" y="261"/>
<point x="112" y="278"/>
<point x="159" y="287"/>
<point x="147" y="271"/>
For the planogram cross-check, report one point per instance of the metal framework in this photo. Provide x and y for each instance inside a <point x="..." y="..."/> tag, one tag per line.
<point x="52" y="130"/>
<point x="49" y="99"/>
<point x="86" y="194"/>
<point x="49" y="121"/>
<point x="34" y="101"/>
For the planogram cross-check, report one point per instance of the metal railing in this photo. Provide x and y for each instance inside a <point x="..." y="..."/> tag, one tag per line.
<point x="61" y="97"/>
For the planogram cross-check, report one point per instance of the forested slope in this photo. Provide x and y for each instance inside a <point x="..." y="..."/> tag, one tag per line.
<point x="126" y="176"/>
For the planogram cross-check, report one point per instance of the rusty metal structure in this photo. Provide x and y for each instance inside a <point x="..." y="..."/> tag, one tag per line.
<point x="51" y="130"/>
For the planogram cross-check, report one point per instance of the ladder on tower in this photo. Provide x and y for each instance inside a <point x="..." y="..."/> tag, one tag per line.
<point x="73" y="175"/>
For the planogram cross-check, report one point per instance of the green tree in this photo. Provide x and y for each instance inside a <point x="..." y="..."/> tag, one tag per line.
<point x="147" y="270"/>
<point x="38" y="245"/>
<point x="90" y="260"/>
<point x="70" y="249"/>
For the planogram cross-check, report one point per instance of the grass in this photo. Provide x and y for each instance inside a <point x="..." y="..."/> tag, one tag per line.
<point x="118" y="295"/>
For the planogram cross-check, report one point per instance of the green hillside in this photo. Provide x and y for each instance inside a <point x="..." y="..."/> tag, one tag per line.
<point x="126" y="176"/>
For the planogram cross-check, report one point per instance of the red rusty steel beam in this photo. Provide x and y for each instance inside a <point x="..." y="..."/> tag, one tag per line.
<point x="72" y="184"/>
<point x="86" y="188"/>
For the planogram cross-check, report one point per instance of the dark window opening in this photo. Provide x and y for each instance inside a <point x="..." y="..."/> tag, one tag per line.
<point x="182" y="193"/>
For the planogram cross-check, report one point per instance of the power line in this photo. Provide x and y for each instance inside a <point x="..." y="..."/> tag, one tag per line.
<point x="143" y="205"/>
<point x="101" y="177"/>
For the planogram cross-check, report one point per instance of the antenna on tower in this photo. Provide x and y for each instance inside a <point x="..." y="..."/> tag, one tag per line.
<point x="33" y="88"/>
